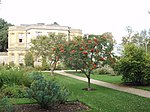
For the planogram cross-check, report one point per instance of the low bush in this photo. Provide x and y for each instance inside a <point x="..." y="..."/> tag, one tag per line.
<point x="5" y="105"/>
<point x="28" y="69"/>
<point x="14" y="91"/>
<point x="35" y="76"/>
<point x="14" y="76"/>
<point x="104" y="70"/>
<point x="47" y="93"/>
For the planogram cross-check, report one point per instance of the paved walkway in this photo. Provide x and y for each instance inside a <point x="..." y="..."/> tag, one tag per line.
<point x="138" y="92"/>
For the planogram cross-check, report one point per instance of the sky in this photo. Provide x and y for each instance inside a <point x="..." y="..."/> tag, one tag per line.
<point x="91" y="16"/>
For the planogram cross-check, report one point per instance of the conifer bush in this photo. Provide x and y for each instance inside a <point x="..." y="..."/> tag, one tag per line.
<point x="5" y="105"/>
<point x="47" y="93"/>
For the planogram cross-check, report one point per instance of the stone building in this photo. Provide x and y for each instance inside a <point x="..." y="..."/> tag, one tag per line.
<point x="19" y="38"/>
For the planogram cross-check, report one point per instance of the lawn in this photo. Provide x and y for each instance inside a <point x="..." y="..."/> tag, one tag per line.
<point x="106" y="78"/>
<point x="103" y="99"/>
<point x="109" y="78"/>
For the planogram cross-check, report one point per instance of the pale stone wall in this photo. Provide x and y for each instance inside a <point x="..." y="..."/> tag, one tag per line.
<point x="3" y="57"/>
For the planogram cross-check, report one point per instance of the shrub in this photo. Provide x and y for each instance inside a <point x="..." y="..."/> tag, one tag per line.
<point x="45" y="65"/>
<point x="14" y="91"/>
<point x="11" y="64"/>
<point x="47" y="93"/>
<point x="28" y="69"/>
<point x="14" y="76"/>
<point x="134" y="66"/>
<point x="29" y="61"/>
<point x="5" y="105"/>
<point x="104" y="70"/>
<point x="11" y="76"/>
<point x="35" y="76"/>
<point x="1" y="83"/>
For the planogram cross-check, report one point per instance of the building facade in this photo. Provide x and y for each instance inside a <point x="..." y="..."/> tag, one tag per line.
<point x="19" y="38"/>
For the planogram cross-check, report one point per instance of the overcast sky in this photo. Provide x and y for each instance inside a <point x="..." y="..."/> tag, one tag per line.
<point x="92" y="16"/>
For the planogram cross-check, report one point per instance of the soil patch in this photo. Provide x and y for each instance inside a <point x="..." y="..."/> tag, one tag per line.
<point x="89" y="89"/>
<point x="67" y="107"/>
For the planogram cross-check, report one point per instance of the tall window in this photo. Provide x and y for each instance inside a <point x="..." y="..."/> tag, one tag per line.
<point x="20" y="36"/>
<point x="20" y="40"/>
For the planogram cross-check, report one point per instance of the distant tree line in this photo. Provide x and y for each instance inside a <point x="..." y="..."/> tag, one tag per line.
<point x="141" y="39"/>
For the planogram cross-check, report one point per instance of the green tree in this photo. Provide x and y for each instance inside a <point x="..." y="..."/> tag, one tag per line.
<point x="47" y="48"/>
<point x="145" y="40"/>
<point x="4" y="35"/>
<point x="134" y="66"/>
<point x="128" y="38"/>
<point x="89" y="53"/>
<point x="141" y="39"/>
<point x="29" y="60"/>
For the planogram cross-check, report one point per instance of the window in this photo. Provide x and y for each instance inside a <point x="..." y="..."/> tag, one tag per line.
<point x="20" y="40"/>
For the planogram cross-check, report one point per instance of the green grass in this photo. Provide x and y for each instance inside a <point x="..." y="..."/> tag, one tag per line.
<point x="21" y="101"/>
<point x="104" y="99"/>
<point x="109" y="78"/>
<point x="106" y="78"/>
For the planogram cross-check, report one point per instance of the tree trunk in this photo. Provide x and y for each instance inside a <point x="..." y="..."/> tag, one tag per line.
<point x="53" y="68"/>
<point x="89" y="83"/>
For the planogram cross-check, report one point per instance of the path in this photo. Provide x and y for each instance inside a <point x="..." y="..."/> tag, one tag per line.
<point x="138" y="92"/>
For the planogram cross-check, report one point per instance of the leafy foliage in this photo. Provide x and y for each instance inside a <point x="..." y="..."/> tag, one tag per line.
<point x="47" y="93"/>
<point x="29" y="61"/>
<point x="141" y="39"/>
<point x="13" y="91"/>
<point x="104" y="70"/>
<point x="45" y="65"/>
<point x="89" y="53"/>
<point x="134" y="66"/>
<point x="14" y="76"/>
<point x="47" y="46"/>
<point x="5" y="105"/>
<point x="3" y="35"/>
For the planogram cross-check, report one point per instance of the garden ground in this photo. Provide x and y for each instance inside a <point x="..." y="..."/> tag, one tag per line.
<point x="103" y="99"/>
<point x="112" y="86"/>
<point x="68" y="107"/>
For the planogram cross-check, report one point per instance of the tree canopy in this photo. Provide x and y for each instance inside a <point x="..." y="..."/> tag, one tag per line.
<point x="49" y="48"/>
<point x="141" y="39"/>
<point x="89" y="53"/>
<point x="4" y="35"/>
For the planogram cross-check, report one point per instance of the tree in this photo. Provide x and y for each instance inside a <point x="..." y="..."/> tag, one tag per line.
<point x="141" y="39"/>
<point x="29" y="61"/>
<point x="145" y="37"/>
<point x="89" y="53"/>
<point x="134" y="66"/>
<point x="127" y="39"/>
<point x="4" y="35"/>
<point x="48" y="47"/>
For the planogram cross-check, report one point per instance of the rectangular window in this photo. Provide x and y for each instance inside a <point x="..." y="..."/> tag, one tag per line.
<point x="20" y="40"/>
